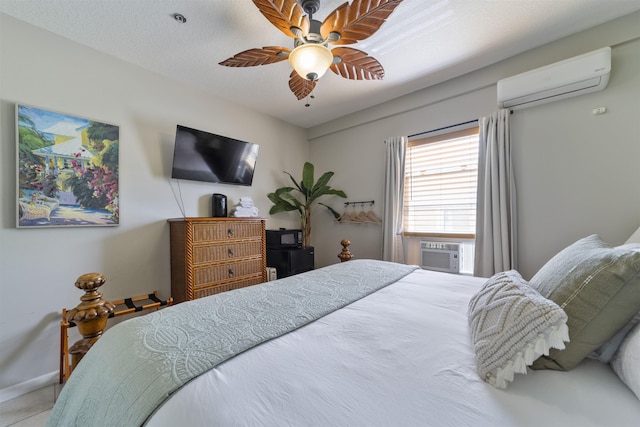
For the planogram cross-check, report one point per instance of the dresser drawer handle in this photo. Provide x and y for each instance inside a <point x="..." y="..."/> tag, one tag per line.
<point x="231" y="272"/>
<point x="230" y="232"/>
<point x="230" y="252"/>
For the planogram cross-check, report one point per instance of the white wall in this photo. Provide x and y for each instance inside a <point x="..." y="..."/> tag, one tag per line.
<point x="576" y="173"/>
<point x="40" y="266"/>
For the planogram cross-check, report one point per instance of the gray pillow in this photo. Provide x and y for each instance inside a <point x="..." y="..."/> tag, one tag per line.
<point x="598" y="287"/>
<point x="511" y="325"/>
<point x="606" y="351"/>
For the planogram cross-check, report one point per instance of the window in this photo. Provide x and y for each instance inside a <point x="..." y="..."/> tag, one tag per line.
<point x="441" y="175"/>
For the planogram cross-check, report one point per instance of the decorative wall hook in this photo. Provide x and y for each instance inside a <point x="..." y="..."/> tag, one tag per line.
<point x="359" y="217"/>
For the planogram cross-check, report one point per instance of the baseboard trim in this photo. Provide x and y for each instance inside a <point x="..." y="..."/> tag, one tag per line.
<point x="28" y="386"/>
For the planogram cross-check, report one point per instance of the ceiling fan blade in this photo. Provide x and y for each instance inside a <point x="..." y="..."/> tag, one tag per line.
<point x="300" y="87"/>
<point x="356" y="65"/>
<point x="254" y="57"/>
<point x="284" y="14"/>
<point x="358" y="20"/>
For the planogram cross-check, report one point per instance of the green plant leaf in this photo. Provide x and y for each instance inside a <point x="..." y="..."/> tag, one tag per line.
<point x="282" y="207"/>
<point x="280" y="204"/>
<point x="307" y="178"/>
<point x="282" y="190"/>
<point x="319" y="192"/>
<point x="274" y="197"/>
<point x="298" y="186"/>
<point x="328" y="191"/>
<point x="283" y="202"/>
<point x="335" y="192"/>
<point x="291" y="198"/>
<point x="322" y="181"/>
<point x="333" y="211"/>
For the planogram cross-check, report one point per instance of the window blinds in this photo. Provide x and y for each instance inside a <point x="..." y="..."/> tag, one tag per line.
<point x="441" y="174"/>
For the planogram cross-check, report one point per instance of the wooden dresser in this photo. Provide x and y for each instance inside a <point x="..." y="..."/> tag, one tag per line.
<point x="211" y="255"/>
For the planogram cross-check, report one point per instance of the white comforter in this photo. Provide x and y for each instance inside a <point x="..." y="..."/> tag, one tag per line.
<point x="399" y="357"/>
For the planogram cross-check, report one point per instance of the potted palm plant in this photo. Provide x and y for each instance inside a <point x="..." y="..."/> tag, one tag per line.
<point x="302" y="196"/>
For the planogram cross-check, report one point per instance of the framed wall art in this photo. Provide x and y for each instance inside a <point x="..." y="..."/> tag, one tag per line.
<point x="67" y="170"/>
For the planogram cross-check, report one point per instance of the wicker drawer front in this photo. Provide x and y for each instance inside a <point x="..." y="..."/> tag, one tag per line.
<point x="226" y="231"/>
<point x="219" y="253"/>
<point x="206" y="276"/>
<point x="211" y="255"/>
<point x="204" y="292"/>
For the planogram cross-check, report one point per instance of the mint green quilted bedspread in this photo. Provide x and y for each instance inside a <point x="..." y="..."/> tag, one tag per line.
<point x="139" y="363"/>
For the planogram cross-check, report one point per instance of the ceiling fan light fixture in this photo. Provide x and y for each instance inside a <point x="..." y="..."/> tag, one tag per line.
<point x="311" y="60"/>
<point x="311" y="57"/>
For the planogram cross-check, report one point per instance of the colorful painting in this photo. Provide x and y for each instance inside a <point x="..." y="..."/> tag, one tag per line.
<point x="67" y="170"/>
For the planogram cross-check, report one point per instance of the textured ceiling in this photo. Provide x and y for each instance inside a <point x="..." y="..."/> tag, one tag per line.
<point x="422" y="43"/>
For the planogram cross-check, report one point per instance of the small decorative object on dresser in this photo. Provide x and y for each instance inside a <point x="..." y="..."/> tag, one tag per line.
<point x="218" y="205"/>
<point x="245" y="209"/>
<point x="212" y="255"/>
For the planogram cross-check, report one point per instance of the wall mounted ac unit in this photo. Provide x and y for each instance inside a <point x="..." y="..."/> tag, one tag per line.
<point x="572" y="77"/>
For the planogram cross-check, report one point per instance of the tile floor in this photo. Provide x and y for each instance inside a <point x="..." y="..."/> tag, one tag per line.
<point x="29" y="410"/>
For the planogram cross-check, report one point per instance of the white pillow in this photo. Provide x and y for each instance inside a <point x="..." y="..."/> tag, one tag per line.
<point x="635" y="237"/>
<point x="626" y="362"/>
<point x="511" y="326"/>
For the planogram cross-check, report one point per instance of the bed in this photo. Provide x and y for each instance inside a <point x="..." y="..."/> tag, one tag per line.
<point x="370" y="343"/>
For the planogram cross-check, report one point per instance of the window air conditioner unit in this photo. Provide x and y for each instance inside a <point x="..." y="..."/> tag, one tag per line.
<point x="572" y="77"/>
<point x="440" y="256"/>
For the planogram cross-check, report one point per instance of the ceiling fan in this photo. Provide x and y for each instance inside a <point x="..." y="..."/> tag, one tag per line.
<point x="311" y="56"/>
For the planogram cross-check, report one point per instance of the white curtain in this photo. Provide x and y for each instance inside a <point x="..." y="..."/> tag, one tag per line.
<point x="496" y="237"/>
<point x="392" y="246"/>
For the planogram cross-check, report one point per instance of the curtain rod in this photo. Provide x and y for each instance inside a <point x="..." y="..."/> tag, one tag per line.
<point x="443" y="128"/>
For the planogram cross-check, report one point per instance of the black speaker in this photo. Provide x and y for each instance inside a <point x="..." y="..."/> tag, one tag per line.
<point x="218" y="205"/>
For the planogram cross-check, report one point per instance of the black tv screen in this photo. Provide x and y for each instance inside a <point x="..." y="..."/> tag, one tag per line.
<point x="203" y="156"/>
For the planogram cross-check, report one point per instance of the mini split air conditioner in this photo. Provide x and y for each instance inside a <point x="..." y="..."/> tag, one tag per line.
<point x="572" y="77"/>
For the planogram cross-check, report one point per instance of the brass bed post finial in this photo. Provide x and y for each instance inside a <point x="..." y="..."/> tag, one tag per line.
<point x="345" y="254"/>
<point x="90" y="315"/>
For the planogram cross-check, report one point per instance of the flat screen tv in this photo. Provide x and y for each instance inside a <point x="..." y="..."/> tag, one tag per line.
<point x="203" y="156"/>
